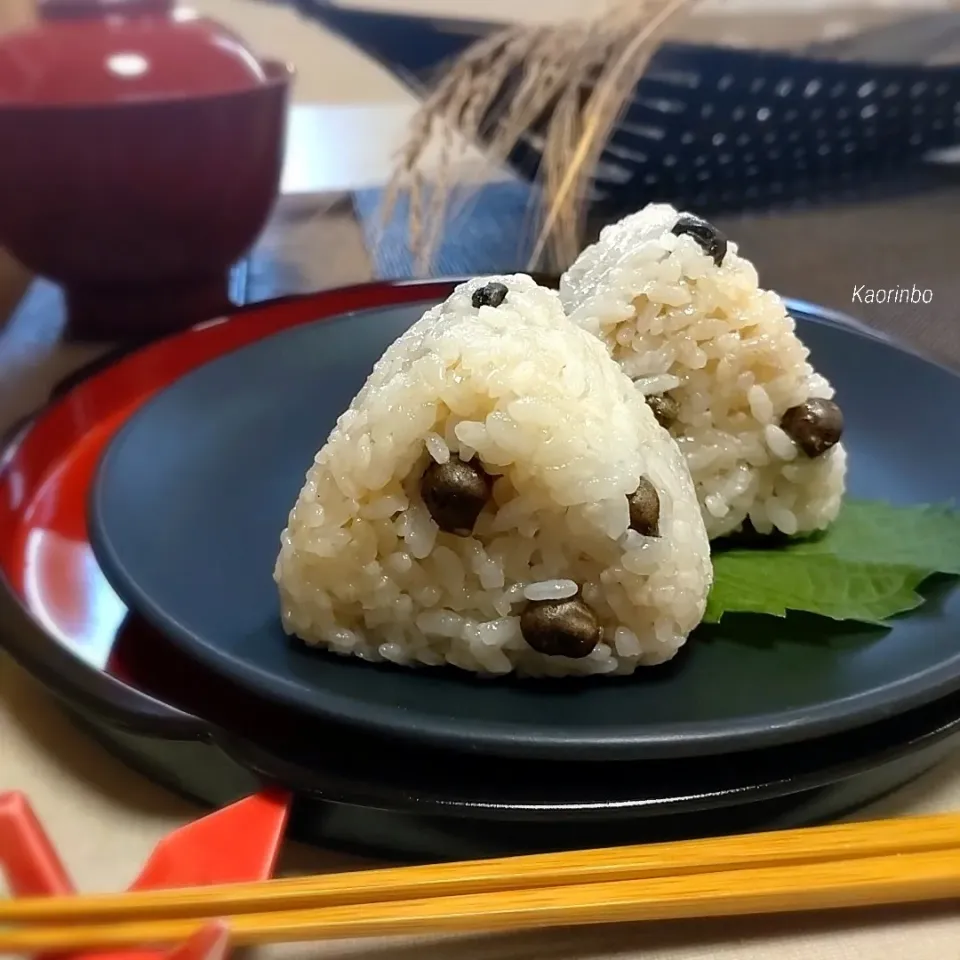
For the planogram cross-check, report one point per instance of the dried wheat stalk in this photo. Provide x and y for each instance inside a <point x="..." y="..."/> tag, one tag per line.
<point x="579" y="76"/>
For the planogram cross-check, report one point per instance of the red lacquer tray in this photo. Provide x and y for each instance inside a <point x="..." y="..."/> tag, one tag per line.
<point x="197" y="734"/>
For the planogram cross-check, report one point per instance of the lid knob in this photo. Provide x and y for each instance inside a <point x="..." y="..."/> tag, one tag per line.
<point x="77" y="9"/>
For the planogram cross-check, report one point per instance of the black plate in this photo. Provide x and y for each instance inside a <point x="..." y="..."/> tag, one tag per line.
<point x="192" y="493"/>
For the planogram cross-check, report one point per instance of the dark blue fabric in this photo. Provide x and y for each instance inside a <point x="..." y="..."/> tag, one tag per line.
<point x="493" y="232"/>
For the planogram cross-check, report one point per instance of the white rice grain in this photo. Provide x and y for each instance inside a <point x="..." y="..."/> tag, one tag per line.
<point x="781" y="446"/>
<point x="437" y="447"/>
<point x="550" y="590"/>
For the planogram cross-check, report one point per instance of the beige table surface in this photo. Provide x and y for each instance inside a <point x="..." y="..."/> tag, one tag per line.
<point x="105" y="819"/>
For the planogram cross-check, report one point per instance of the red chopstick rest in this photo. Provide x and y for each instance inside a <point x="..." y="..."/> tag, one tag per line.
<point x="236" y="844"/>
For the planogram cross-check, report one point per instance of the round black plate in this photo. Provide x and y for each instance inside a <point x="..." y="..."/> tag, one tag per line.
<point x="191" y="496"/>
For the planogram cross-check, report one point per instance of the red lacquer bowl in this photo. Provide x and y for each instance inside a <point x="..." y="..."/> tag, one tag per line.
<point x="143" y="150"/>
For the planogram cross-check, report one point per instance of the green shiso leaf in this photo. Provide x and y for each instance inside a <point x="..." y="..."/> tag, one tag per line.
<point x="754" y="582"/>
<point x="866" y="567"/>
<point x="872" y="532"/>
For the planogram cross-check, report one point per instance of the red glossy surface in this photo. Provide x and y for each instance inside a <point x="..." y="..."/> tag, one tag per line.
<point x="95" y="52"/>
<point x="45" y="474"/>
<point x="236" y="844"/>
<point x="27" y="857"/>
<point x="140" y="211"/>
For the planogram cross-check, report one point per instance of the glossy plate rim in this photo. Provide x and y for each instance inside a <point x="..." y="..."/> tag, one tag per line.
<point x="666" y="740"/>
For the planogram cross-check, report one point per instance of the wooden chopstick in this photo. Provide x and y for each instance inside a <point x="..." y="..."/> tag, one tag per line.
<point x="813" y="886"/>
<point x="773" y="849"/>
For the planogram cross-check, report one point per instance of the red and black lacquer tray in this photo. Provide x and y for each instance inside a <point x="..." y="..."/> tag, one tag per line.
<point x="197" y="732"/>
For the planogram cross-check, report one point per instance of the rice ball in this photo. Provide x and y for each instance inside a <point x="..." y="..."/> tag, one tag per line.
<point x="720" y="363"/>
<point x="498" y="497"/>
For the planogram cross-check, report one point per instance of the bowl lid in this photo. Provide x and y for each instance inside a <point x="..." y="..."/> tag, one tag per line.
<point x="85" y="52"/>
